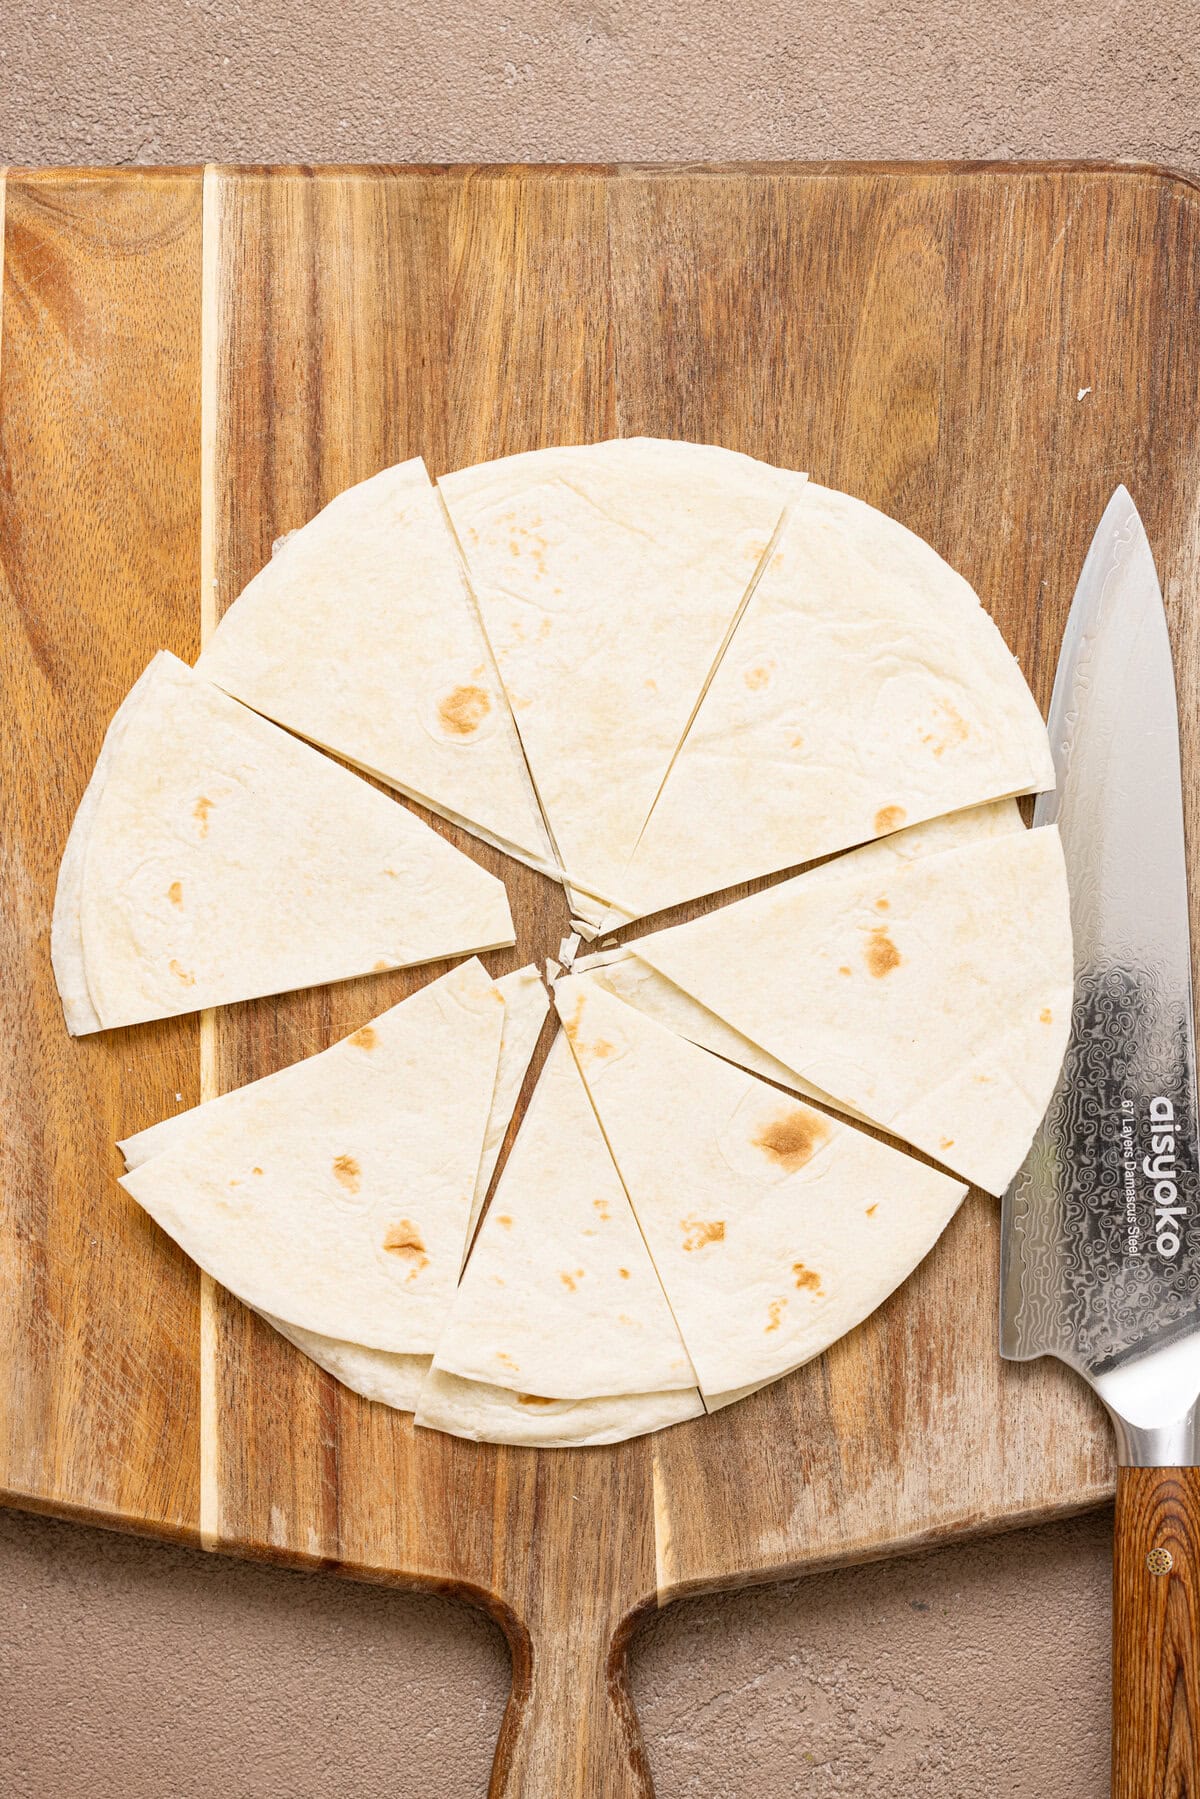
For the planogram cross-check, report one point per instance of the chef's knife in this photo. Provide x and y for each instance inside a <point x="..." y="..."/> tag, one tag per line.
<point x="1100" y="1257"/>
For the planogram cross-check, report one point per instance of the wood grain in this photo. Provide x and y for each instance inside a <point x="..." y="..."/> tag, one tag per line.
<point x="1156" y="1634"/>
<point x="916" y="336"/>
<point x="99" y="480"/>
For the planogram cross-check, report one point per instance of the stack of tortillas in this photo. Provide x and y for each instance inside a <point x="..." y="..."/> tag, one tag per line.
<point x="654" y="671"/>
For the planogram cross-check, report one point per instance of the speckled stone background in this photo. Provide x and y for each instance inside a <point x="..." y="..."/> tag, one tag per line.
<point x="132" y="1671"/>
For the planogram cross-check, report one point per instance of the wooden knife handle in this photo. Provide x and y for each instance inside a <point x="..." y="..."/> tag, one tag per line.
<point x="570" y="1730"/>
<point x="1156" y="1634"/>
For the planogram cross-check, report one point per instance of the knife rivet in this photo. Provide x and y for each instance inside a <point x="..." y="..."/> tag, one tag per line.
<point x="1160" y="1561"/>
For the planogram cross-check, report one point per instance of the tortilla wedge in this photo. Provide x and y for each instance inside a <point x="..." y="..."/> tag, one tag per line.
<point x="865" y="688"/>
<point x="360" y="634"/>
<point x="215" y="858"/>
<point x="559" y="1298"/>
<point x="933" y="996"/>
<point x="608" y="577"/>
<point x="335" y="1195"/>
<point x="389" y="1378"/>
<point x="774" y="1228"/>
<point x="623" y="972"/>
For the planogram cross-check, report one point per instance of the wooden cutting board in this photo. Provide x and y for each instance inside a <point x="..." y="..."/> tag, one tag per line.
<point x="191" y="363"/>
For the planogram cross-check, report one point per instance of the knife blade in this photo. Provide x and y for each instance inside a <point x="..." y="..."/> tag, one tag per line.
<point x="1100" y="1230"/>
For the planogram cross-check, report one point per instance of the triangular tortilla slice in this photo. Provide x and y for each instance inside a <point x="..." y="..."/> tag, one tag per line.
<point x="932" y="995"/>
<point x="377" y="1374"/>
<point x="526" y="1004"/>
<point x="335" y="1195"/>
<point x="774" y="1228"/>
<point x="467" y="1408"/>
<point x="361" y="635"/>
<point x="608" y="577"/>
<point x="223" y="859"/>
<point x="623" y="972"/>
<point x="560" y="1298"/>
<point x="865" y="688"/>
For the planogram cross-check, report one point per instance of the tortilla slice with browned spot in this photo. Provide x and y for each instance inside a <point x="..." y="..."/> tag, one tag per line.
<point x="216" y="858"/>
<point x="361" y="635"/>
<point x="559" y="1298"/>
<point x="608" y="578"/>
<point x="864" y="689"/>
<point x="932" y="994"/>
<point x="335" y="1194"/>
<point x="774" y="1228"/>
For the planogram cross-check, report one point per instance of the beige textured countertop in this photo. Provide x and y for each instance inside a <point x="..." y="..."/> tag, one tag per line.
<point x="132" y="1671"/>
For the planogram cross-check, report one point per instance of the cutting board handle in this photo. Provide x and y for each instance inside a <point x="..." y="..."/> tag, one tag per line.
<point x="570" y="1730"/>
<point x="1156" y="1634"/>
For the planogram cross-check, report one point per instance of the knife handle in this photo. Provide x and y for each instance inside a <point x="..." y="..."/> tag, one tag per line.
<point x="1156" y="1634"/>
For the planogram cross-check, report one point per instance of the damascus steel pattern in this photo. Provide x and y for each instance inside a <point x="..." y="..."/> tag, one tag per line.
<point x="1101" y="1228"/>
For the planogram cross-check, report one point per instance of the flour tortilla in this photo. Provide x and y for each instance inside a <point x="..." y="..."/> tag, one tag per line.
<point x="376" y="1374"/>
<point x="608" y="577"/>
<point x="774" y="1228"/>
<point x="623" y="972"/>
<point x="395" y="1380"/>
<point x="933" y="996"/>
<point x="361" y="635"/>
<point x="865" y="688"/>
<point x="66" y="930"/>
<point x="335" y="1195"/>
<point x="498" y="1415"/>
<point x="223" y="859"/>
<point x="560" y="1298"/>
<point x="526" y="1004"/>
<point x="387" y="1378"/>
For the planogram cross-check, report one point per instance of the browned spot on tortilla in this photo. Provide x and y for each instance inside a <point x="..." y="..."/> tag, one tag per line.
<point x="463" y="711"/>
<point x="601" y="1206"/>
<point x="775" y="1313"/>
<point x="506" y="1359"/>
<point x="571" y="1025"/>
<point x="380" y="967"/>
<point x="571" y="1281"/>
<point x="883" y="903"/>
<point x="200" y="812"/>
<point x="256" y="1171"/>
<point x="807" y="1279"/>
<point x="792" y="1137"/>
<point x="950" y="728"/>
<point x="349" y="1175"/>
<point x="181" y="973"/>
<point x="882" y="954"/>
<point x="947" y="1142"/>
<point x="624" y="1273"/>
<point x="889" y="818"/>
<point x="175" y="893"/>
<point x="404" y="1240"/>
<point x="650" y="685"/>
<point x="871" y="1210"/>
<point x="366" y="1037"/>
<point x="984" y="1080"/>
<point x="1046" y="1016"/>
<point x="757" y="678"/>
<point x="601" y="1049"/>
<point x="547" y="624"/>
<point x="797" y="743"/>
<point x="843" y="969"/>
<point x="504" y="1219"/>
<point x="698" y="1232"/>
<point x="532" y="1399"/>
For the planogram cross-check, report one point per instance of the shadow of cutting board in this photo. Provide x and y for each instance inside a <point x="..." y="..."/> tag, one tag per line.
<point x="191" y="363"/>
